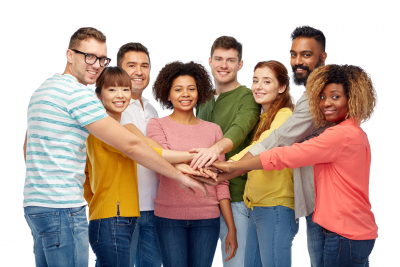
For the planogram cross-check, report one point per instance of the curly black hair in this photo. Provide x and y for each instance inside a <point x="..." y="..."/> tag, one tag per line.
<point x="162" y="85"/>
<point x="310" y="32"/>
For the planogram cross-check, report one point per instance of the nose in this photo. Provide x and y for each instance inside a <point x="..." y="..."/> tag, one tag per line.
<point x="96" y="65"/>
<point x="119" y="94"/>
<point x="185" y="92"/>
<point x="298" y="60"/>
<point x="224" y="64"/>
<point x="327" y="102"/>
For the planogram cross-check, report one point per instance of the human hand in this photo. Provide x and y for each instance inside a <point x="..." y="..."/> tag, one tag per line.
<point x="186" y="169"/>
<point x="207" y="181"/>
<point x="231" y="242"/>
<point x="188" y="183"/>
<point x="223" y="166"/>
<point x="204" y="157"/>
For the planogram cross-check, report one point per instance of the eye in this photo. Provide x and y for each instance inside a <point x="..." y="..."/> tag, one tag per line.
<point x="192" y="89"/>
<point x="335" y="97"/>
<point x="89" y="56"/>
<point x="255" y="81"/>
<point x="231" y="60"/>
<point x="322" y="97"/>
<point x="293" y="55"/>
<point x="145" y="66"/>
<point x="267" y="82"/>
<point x="307" y="55"/>
<point x="111" y="89"/>
<point x="131" y="66"/>
<point x="218" y="59"/>
<point x="127" y="89"/>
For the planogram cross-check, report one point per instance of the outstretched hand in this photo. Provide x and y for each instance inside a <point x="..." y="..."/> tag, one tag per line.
<point x="186" y="169"/>
<point x="223" y="166"/>
<point x="204" y="157"/>
<point x="188" y="183"/>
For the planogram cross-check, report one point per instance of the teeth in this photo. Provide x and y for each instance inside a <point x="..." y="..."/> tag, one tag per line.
<point x="186" y="101"/>
<point x="91" y="72"/>
<point x="137" y="79"/>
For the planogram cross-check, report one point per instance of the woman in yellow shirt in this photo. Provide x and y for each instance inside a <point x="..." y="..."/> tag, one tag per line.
<point x="111" y="188"/>
<point x="270" y="194"/>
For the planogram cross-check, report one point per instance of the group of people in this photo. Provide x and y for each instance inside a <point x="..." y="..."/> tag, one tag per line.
<point x="229" y="163"/>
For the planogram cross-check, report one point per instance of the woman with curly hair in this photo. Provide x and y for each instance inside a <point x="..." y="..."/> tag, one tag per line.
<point x="345" y="97"/>
<point x="187" y="225"/>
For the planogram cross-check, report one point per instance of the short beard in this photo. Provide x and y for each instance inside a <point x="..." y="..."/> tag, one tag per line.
<point x="303" y="80"/>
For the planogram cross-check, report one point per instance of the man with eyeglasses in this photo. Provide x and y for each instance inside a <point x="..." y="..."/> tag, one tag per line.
<point x="61" y="114"/>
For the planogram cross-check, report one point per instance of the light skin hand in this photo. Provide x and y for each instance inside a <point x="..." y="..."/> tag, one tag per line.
<point x="206" y="156"/>
<point x="186" y="169"/>
<point x="223" y="166"/>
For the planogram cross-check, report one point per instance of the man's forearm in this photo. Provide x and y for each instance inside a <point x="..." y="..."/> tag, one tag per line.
<point x="223" y="146"/>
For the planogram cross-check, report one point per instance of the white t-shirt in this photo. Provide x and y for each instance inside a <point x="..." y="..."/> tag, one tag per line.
<point x="58" y="112"/>
<point x="147" y="179"/>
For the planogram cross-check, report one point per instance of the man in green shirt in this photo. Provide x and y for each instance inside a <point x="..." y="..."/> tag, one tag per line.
<point x="233" y="108"/>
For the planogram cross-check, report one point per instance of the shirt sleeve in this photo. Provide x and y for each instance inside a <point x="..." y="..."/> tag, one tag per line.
<point x="222" y="190"/>
<point x="246" y="119"/>
<point x="295" y="129"/>
<point x="126" y="118"/>
<point x="156" y="132"/>
<point x="279" y="119"/>
<point x="325" y="148"/>
<point x="87" y="193"/>
<point x="85" y="107"/>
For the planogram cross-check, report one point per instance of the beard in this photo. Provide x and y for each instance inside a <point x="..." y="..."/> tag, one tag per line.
<point x="303" y="80"/>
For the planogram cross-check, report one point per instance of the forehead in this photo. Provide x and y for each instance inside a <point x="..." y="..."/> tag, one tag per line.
<point x="135" y="56"/>
<point x="226" y="53"/>
<point x="264" y="72"/>
<point x="183" y="80"/>
<point x="333" y="87"/>
<point x="305" y="44"/>
<point x="92" y="46"/>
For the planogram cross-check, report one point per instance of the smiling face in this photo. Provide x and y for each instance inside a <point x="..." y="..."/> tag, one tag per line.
<point x="266" y="87"/>
<point x="334" y="103"/>
<point x="137" y="65"/>
<point x="183" y="94"/>
<point x="305" y="55"/>
<point x="225" y="64"/>
<point x="115" y="100"/>
<point x="83" y="72"/>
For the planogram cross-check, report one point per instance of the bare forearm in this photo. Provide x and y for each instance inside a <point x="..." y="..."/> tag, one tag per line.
<point x="226" y="210"/>
<point x="223" y="146"/>
<point x="251" y="163"/>
<point x="177" y="156"/>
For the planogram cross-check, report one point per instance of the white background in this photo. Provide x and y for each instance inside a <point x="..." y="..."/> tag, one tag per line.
<point x="34" y="36"/>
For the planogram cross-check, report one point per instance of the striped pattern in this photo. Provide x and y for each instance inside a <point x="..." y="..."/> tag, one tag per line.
<point x="56" y="142"/>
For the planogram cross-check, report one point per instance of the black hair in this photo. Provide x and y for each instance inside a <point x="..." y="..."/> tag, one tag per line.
<point x="310" y="32"/>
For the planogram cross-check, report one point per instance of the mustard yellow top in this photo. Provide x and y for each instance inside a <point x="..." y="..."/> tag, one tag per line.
<point x="111" y="181"/>
<point x="269" y="188"/>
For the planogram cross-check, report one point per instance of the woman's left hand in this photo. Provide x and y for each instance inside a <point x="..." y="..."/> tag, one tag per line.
<point x="231" y="242"/>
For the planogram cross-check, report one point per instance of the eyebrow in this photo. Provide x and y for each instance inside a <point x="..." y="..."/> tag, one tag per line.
<point x="304" y="51"/>
<point x="226" y="58"/>
<point x="134" y="62"/>
<point x="178" y="85"/>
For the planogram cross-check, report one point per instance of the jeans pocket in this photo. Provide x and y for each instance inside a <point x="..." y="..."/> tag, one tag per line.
<point x="94" y="232"/>
<point x="294" y="226"/>
<point x="124" y="221"/>
<point x="360" y="250"/>
<point x="77" y="211"/>
<point x="48" y="227"/>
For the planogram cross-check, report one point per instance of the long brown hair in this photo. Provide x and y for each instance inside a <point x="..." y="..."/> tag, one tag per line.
<point x="284" y="100"/>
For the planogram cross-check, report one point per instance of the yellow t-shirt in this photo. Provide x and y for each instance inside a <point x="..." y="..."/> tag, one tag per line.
<point x="269" y="188"/>
<point x="111" y="181"/>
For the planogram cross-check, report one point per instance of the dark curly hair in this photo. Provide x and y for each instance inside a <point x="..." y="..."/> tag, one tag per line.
<point x="310" y="32"/>
<point x="357" y="86"/>
<point x="171" y="71"/>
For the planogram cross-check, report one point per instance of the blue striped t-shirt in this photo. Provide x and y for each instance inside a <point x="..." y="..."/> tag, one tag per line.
<point x="56" y="142"/>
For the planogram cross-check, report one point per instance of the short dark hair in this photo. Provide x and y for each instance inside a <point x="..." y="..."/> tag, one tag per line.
<point x="171" y="71"/>
<point x="138" y="47"/>
<point x="84" y="34"/>
<point x="310" y="32"/>
<point x="113" y="76"/>
<point x="227" y="42"/>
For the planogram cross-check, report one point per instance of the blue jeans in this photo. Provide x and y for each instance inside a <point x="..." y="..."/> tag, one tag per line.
<point x="315" y="242"/>
<point x="145" y="248"/>
<point x="270" y="237"/>
<point x="60" y="236"/>
<point x="187" y="243"/>
<point x="241" y="216"/>
<point x="340" y="251"/>
<point x="110" y="240"/>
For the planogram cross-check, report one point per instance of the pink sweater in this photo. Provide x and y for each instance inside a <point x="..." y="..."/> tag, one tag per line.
<point x="341" y="156"/>
<point x="173" y="202"/>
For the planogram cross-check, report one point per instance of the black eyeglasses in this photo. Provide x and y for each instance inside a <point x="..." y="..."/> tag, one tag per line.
<point x="91" y="59"/>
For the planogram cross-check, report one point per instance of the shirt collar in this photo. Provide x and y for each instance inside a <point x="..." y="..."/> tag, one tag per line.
<point x="134" y="101"/>
<point x="348" y="122"/>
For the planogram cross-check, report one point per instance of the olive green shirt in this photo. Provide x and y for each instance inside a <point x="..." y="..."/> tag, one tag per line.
<point x="236" y="113"/>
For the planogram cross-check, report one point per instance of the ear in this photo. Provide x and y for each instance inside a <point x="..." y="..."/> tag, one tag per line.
<point x="240" y="64"/>
<point x="282" y="89"/>
<point x="69" y="56"/>
<point x="99" y="96"/>
<point x="323" y="58"/>
<point x="209" y="61"/>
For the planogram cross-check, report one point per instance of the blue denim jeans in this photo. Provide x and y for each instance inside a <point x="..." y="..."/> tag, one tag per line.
<point x="145" y="248"/>
<point x="187" y="243"/>
<point x="110" y="240"/>
<point x="340" y="251"/>
<point x="270" y="237"/>
<point x="60" y="236"/>
<point x="241" y="216"/>
<point x="315" y="242"/>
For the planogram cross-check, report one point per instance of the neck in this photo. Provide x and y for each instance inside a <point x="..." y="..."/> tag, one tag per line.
<point x="68" y="70"/>
<point x="184" y="117"/>
<point x="265" y="107"/>
<point x="115" y="116"/>
<point x="225" y="87"/>
<point x="137" y="96"/>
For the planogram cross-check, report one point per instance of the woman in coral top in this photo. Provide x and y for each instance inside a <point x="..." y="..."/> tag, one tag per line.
<point x="341" y="155"/>
<point x="187" y="225"/>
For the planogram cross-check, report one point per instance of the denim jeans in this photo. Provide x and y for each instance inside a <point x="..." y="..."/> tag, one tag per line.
<point x="145" y="248"/>
<point x="340" y="251"/>
<point x="60" y="236"/>
<point x="110" y="240"/>
<point x="189" y="243"/>
<point x="241" y="216"/>
<point x="270" y="237"/>
<point x="315" y="242"/>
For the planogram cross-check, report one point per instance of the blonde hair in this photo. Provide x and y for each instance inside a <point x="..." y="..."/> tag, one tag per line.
<point x="357" y="86"/>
